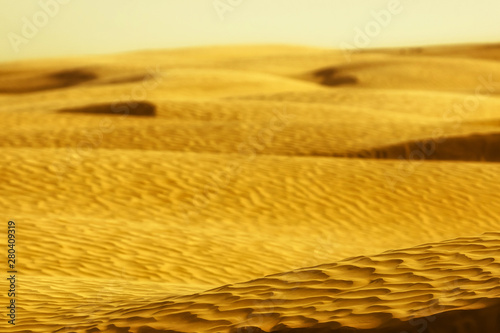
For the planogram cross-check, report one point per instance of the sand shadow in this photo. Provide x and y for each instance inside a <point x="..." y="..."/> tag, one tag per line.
<point x="474" y="147"/>
<point x="333" y="77"/>
<point x="22" y="84"/>
<point x="131" y="108"/>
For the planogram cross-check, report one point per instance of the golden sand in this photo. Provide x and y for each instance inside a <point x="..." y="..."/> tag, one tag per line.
<point x="221" y="189"/>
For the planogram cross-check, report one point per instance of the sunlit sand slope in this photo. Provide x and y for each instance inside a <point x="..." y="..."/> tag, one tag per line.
<point x="451" y="286"/>
<point x="206" y="219"/>
<point x="139" y="181"/>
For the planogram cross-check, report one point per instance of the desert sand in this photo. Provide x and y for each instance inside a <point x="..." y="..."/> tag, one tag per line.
<point x="257" y="188"/>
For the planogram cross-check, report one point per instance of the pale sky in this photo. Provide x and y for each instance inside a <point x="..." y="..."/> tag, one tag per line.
<point x="78" y="27"/>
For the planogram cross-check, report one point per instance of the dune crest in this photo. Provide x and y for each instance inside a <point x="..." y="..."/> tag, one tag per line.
<point x="450" y="286"/>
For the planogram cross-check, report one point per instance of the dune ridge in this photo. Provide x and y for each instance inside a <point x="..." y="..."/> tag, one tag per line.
<point x="450" y="286"/>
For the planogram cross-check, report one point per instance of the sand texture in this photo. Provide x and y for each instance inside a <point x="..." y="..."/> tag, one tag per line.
<point x="253" y="189"/>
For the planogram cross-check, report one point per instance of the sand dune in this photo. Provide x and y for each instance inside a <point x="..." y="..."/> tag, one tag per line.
<point x="421" y="73"/>
<point x="28" y="82"/>
<point x="221" y="189"/>
<point x="450" y="286"/>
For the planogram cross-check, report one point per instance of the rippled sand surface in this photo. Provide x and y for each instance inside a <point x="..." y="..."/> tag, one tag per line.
<point x="254" y="189"/>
